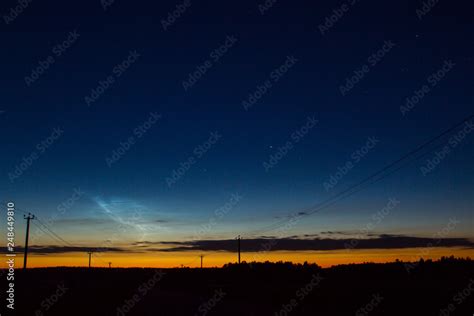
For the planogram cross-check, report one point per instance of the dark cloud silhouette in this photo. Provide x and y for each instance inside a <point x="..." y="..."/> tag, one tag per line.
<point x="65" y="249"/>
<point x="306" y="236"/>
<point x="337" y="233"/>
<point x="382" y="241"/>
<point x="291" y="244"/>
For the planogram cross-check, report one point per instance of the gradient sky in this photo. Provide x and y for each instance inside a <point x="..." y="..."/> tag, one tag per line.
<point x="133" y="192"/>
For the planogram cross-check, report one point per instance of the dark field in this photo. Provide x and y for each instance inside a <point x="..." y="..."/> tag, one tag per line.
<point x="444" y="287"/>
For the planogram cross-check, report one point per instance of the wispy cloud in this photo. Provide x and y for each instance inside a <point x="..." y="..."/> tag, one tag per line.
<point x="83" y="221"/>
<point x="126" y="213"/>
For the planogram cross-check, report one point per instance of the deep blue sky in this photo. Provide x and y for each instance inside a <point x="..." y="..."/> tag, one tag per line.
<point x="234" y="165"/>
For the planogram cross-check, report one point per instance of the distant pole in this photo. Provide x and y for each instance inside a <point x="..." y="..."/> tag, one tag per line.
<point x="238" y="246"/>
<point x="110" y="264"/>
<point x="89" y="253"/>
<point x="28" y="218"/>
<point x="201" y="260"/>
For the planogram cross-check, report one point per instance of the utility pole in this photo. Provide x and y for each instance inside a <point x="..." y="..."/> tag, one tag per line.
<point x="110" y="263"/>
<point x="90" y="253"/>
<point x="28" y="218"/>
<point x="202" y="256"/>
<point x="238" y="246"/>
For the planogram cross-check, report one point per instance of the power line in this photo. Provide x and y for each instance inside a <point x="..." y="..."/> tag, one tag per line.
<point x="190" y="262"/>
<point x="375" y="177"/>
<point x="354" y="188"/>
<point x="47" y="233"/>
<point x="412" y="152"/>
<point x="45" y="229"/>
<point x="69" y="244"/>
<point x="330" y="203"/>
<point x="52" y="232"/>
<point x="370" y="183"/>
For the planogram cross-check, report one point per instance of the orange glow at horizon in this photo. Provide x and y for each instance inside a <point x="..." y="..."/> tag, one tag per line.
<point x="218" y="259"/>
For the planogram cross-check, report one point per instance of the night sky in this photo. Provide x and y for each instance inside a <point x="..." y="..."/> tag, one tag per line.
<point x="123" y="126"/>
